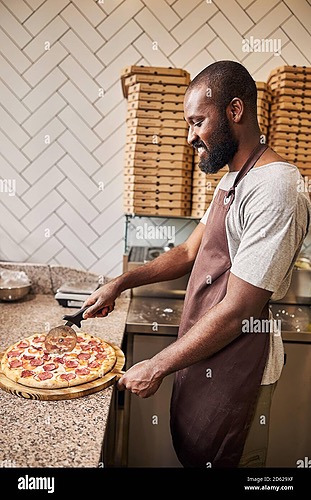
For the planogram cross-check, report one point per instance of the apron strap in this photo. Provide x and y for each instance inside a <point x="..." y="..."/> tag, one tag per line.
<point x="248" y="165"/>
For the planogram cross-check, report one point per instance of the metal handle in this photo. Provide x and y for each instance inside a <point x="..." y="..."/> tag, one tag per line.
<point x="75" y="319"/>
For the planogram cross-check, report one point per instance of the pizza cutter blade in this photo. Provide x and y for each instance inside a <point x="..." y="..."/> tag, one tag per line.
<point x="63" y="338"/>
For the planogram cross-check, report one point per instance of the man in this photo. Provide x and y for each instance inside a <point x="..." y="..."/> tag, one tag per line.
<point x="240" y="256"/>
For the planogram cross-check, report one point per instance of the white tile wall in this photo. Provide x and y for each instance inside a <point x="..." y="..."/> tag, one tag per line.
<point x="56" y="92"/>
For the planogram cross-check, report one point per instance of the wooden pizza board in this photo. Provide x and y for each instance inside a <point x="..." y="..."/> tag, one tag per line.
<point x="73" y="392"/>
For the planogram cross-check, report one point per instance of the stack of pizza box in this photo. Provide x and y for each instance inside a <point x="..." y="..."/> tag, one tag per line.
<point x="158" y="160"/>
<point x="203" y="187"/>
<point x="290" y="114"/>
<point x="263" y="108"/>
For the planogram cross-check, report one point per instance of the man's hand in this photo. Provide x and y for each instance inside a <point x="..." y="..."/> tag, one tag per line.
<point x="101" y="302"/>
<point x="141" y="379"/>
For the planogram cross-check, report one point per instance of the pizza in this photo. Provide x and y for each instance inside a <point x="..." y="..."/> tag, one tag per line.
<point x="27" y="362"/>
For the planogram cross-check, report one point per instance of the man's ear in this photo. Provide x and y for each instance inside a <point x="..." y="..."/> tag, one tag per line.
<point x="235" y="110"/>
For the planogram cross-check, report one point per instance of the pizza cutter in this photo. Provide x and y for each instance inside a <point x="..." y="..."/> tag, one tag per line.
<point x="63" y="338"/>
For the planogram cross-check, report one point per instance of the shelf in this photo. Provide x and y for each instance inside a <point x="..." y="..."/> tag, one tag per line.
<point x="140" y="216"/>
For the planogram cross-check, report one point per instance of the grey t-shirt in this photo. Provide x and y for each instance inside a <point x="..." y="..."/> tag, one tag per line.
<point x="266" y="226"/>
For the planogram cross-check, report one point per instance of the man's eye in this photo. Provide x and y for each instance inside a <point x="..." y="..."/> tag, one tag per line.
<point x="198" y="124"/>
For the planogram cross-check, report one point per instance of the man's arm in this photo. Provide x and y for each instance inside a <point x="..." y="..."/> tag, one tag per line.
<point x="168" y="266"/>
<point x="216" y="329"/>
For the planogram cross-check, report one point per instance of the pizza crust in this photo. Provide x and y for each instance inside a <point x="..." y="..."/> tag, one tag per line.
<point x="87" y="344"/>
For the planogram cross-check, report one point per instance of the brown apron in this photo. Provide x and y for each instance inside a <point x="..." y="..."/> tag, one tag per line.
<point x="213" y="400"/>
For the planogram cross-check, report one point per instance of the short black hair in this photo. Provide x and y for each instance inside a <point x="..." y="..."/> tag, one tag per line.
<point x="226" y="80"/>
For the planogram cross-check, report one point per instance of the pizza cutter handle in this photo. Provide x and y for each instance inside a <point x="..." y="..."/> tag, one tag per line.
<point x="75" y="319"/>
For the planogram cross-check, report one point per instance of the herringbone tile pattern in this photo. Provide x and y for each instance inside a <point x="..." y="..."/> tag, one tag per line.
<point x="62" y="113"/>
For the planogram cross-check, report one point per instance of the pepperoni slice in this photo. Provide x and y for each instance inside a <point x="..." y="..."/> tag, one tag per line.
<point x="36" y="362"/>
<point x="80" y="339"/>
<point x="59" y="360"/>
<point x="93" y="364"/>
<point x="13" y="353"/>
<point x="37" y="347"/>
<point x="82" y="371"/>
<point x="26" y="356"/>
<point x="46" y="357"/>
<point x="15" y="363"/>
<point x="23" y="345"/>
<point x="101" y="355"/>
<point x="84" y="355"/>
<point x="50" y="367"/>
<point x="71" y="363"/>
<point x="27" y="373"/>
<point x="45" y="375"/>
<point x="67" y="376"/>
<point x="85" y="347"/>
<point x="39" y="338"/>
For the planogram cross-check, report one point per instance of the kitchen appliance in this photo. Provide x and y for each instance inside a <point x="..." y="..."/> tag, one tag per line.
<point x="290" y="417"/>
<point x="299" y="291"/>
<point x="152" y="324"/>
<point x="75" y="293"/>
<point x="139" y="255"/>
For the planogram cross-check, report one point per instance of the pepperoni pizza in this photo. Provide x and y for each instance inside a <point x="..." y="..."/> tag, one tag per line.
<point x="29" y="363"/>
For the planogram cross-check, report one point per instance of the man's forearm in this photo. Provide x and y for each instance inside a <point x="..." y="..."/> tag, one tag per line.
<point x="216" y="329"/>
<point x="168" y="266"/>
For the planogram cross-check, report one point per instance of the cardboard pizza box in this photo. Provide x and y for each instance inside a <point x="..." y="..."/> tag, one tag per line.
<point x="157" y="195"/>
<point x="159" y="172"/>
<point x="151" y="139"/>
<point x="163" y="212"/>
<point x="156" y="131"/>
<point x="133" y="155"/>
<point x="158" y="124"/>
<point x="290" y="69"/>
<point x="151" y="96"/>
<point x="158" y="88"/>
<point x="155" y="164"/>
<point x="157" y="105"/>
<point x="292" y="84"/>
<point x="159" y="79"/>
<point x="158" y="148"/>
<point x="158" y="187"/>
<point x="155" y="113"/>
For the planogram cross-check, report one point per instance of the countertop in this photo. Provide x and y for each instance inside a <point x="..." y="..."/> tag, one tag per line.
<point x="65" y="433"/>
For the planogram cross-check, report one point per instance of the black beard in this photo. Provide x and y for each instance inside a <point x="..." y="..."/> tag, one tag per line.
<point x="222" y="148"/>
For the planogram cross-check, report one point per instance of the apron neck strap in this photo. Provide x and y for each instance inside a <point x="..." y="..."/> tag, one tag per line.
<point x="248" y="165"/>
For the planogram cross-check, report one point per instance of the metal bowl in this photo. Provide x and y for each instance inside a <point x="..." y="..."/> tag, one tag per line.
<point x="15" y="291"/>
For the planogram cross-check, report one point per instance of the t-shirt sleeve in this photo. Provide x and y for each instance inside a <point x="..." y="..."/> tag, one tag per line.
<point x="275" y="222"/>
<point x="270" y="244"/>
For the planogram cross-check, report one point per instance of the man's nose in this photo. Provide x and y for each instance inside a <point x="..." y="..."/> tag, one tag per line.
<point x="192" y="136"/>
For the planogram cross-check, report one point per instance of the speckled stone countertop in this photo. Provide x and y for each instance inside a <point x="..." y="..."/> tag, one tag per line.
<point x="64" y="433"/>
